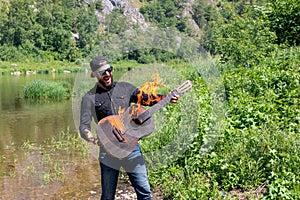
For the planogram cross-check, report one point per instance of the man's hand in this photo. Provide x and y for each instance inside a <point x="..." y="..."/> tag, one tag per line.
<point x="89" y="136"/>
<point x="174" y="99"/>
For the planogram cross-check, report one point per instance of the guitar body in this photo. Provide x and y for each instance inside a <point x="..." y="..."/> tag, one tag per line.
<point x="119" y="134"/>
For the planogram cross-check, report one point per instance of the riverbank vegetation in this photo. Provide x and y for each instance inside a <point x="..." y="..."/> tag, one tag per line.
<point x="43" y="90"/>
<point x="31" y="67"/>
<point x="257" y="151"/>
<point x="45" y="163"/>
<point x="255" y="47"/>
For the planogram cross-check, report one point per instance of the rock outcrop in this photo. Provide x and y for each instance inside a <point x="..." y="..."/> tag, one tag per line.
<point x="130" y="11"/>
<point x="133" y="15"/>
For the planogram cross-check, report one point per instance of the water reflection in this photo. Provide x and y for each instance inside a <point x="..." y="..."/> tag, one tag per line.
<point x="23" y="120"/>
<point x="35" y="122"/>
<point x="34" y="175"/>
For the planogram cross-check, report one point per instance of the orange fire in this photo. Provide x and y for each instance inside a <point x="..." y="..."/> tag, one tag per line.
<point x="115" y="120"/>
<point x="121" y="110"/>
<point x="150" y="89"/>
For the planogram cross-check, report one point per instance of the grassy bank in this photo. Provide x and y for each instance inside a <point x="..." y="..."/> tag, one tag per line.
<point x="37" y="67"/>
<point x="56" y="67"/>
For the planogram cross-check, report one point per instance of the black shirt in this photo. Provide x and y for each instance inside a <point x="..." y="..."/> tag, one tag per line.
<point x="99" y="103"/>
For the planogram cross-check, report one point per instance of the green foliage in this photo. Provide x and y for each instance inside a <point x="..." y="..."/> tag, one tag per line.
<point x="265" y="111"/>
<point x="116" y="23"/>
<point x="42" y="90"/>
<point x="199" y="12"/>
<point x="259" y="147"/>
<point x="154" y="45"/>
<point x="85" y="25"/>
<point x="285" y="21"/>
<point x="243" y="32"/>
<point x="243" y="40"/>
<point x="11" y="53"/>
<point x="43" y="29"/>
<point x="98" y="5"/>
<point x="165" y="14"/>
<point x="20" y="24"/>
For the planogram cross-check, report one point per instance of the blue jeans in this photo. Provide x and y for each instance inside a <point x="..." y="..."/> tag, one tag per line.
<point x="135" y="167"/>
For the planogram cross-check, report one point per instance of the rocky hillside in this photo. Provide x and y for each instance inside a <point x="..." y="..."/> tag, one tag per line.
<point x="131" y="11"/>
<point x="134" y="16"/>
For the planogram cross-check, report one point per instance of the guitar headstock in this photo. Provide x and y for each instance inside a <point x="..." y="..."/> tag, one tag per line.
<point x="185" y="86"/>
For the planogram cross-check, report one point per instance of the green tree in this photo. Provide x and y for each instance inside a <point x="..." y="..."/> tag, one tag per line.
<point x="198" y="13"/>
<point x="3" y="20"/>
<point x="243" y="40"/>
<point x="57" y="23"/>
<point x="44" y="28"/>
<point x="165" y="13"/>
<point x="284" y="16"/>
<point x="85" y="25"/>
<point x="21" y="23"/>
<point x="116" y="22"/>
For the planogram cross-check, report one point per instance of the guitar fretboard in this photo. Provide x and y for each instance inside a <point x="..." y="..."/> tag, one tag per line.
<point x="180" y="90"/>
<point x="153" y="109"/>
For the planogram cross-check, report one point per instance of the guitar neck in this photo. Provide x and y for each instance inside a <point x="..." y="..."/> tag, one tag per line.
<point x="153" y="109"/>
<point x="147" y="114"/>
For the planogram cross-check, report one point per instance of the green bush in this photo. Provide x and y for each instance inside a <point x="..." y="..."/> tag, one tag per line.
<point x="259" y="147"/>
<point x="42" y="90"/>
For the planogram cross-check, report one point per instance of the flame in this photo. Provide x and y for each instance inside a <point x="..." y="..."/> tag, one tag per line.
<point x="121" y="110"/>
<point x="150" y="89"/>
<point x="114" y="120"/>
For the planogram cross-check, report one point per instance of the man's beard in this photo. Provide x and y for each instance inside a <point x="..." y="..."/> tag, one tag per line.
<point x="104" y="85"/>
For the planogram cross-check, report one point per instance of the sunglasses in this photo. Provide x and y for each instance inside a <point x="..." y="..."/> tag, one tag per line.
<point x="102" y="72"/>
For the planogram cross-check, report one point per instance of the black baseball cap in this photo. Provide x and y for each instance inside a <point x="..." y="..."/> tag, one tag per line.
<point x="98" y="62"/>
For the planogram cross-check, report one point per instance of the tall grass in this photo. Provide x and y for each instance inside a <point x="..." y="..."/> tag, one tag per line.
<point x="42" y="90"/>
<point x="55" y="157"/>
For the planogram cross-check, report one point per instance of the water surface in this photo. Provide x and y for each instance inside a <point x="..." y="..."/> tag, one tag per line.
<point x="25" y="120"/>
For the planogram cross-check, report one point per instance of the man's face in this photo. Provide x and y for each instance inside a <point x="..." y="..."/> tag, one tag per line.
<point x="104" y="76"/>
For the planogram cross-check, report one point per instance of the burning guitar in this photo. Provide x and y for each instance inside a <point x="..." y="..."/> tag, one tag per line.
<point x="119" y="134"/>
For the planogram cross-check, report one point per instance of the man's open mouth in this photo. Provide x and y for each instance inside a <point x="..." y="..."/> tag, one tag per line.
<point x="107" y="79"/>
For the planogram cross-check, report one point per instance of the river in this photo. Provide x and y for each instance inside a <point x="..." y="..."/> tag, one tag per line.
<point x="24" y="120"/>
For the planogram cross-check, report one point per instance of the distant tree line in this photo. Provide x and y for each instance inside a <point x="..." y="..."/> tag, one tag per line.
<point x="241" y="31"/>
<point x="47" y="29"/>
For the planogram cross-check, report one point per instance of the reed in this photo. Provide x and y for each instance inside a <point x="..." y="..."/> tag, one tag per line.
<point x="42" y="90"/>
